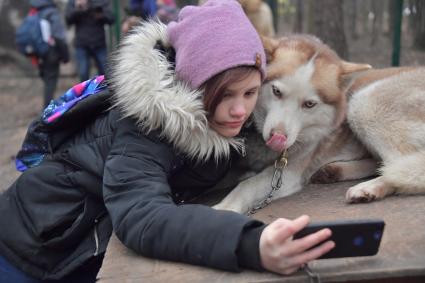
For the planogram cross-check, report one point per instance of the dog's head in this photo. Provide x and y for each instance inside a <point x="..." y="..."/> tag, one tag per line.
<point x="302" y="99"/>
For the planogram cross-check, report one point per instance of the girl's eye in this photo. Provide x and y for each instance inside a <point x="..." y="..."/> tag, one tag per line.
<point x="250" y="93"/>
<point x="309" y="104"/>
<point x="277" y="92"/>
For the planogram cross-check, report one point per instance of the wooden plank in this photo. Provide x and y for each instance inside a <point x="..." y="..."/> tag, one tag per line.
<point x="402" y="252"/>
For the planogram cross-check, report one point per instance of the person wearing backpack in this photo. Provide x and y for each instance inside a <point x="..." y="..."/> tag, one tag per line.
<point x="137" y="11"/>
<point x="178" y="98"/>
<point x="56" y="48"/>
<point x="145" y="9"/>
<point x="167" y="10"/>
<point x="89" y="18"/>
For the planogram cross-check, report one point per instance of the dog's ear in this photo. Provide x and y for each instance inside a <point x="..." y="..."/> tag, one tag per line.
<point x="270" y="45"/>
<point x="348" y="67"/>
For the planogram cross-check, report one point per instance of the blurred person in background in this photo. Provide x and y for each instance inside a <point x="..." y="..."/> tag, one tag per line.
<point x="167" y="10"/>
<point x="49" y="64"/>
<point x="89" y="18"/>
<point x="137" y="11"/>
<point x="144" y="9"/>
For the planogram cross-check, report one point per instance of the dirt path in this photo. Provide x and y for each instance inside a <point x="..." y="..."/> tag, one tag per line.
<point x="20" y="102"/>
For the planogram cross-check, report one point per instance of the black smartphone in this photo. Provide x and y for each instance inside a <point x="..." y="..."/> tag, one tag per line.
<point x="352" y="237"/>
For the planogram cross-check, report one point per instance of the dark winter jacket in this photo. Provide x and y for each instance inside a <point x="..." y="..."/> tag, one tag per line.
<point x="130" y="170"/>
<point x="89" y="24"/>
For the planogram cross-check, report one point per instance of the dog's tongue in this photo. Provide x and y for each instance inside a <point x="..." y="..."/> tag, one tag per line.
<point x="277" y="142"/>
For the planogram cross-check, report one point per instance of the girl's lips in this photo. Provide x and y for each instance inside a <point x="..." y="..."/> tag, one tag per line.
<point x="233" y="124"/>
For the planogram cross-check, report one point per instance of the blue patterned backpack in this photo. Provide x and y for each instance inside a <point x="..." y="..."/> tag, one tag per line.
<point x="61" y="118"/>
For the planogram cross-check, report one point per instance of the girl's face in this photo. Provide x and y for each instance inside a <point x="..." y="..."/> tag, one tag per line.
<point x="236" y="106"/>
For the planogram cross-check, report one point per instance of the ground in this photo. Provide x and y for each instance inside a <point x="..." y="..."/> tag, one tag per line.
<point x="21" y="95"/>
<point x="20" y="102"/>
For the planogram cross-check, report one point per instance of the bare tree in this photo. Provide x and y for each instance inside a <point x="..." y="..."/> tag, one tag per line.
<point x="11" y="13"/>
<point x="377" y="13"/>
<point x="309" y="11"/>
<point x="299" y="16"/>
<point x="329" y="25"/>
<point x="391" y="13"/>
<point x="418" y="18"/>
<point x="350" y="11"/>
<point x="363" y="9"/>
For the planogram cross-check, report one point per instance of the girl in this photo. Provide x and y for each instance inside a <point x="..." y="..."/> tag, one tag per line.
<point x="180" y="95"/>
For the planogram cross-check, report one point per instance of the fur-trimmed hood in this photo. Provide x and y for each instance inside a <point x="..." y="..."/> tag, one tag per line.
<point x="145" y="88"/>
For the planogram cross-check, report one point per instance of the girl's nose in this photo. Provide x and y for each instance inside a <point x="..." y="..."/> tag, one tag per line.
<point x="238" y="110"/>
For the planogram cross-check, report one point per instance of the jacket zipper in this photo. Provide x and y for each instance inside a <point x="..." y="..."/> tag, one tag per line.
<point x="96" y="237"/>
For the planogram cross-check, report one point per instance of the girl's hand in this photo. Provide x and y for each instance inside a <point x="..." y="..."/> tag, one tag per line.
<point x="281" y="254"/>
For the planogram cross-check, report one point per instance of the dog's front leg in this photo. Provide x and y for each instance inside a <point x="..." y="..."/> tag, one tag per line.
<point x="251" y="192"/>
<point x="248" y="193"/>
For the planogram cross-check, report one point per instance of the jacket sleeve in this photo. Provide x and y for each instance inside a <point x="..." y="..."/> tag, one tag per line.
<point x="146" y="219"/>
<point x="72" y="15"/>
<point x="108" y="14"/>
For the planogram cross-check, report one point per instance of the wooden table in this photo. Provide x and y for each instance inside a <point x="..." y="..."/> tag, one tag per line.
<point x="401" y="257"/>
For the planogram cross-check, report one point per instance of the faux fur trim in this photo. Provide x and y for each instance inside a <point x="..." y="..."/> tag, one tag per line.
<point x="145" y="88"/>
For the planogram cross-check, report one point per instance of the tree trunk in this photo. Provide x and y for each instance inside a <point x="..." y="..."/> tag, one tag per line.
<point x="419" y="24"/>
<point x="391" y="13"/>
<point x="310" y="15"/>
<point x="299" y="16"/>
<point x="377" y="11"/>
<point x="329" y="25"/>
<point x="9" y="10"/>
<point x="350" y="10"/>
<point x="363" y="17"/>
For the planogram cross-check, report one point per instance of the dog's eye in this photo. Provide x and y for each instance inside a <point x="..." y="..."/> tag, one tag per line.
<point x="309" y="104"/>
<point x="276" y="92"/>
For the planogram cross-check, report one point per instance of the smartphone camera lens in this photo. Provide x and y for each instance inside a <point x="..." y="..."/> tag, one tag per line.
<point x="377" y="235"/>
<point x="358" y="241"/>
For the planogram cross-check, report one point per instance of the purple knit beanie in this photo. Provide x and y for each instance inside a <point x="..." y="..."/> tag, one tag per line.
<point x="214" y="37"/>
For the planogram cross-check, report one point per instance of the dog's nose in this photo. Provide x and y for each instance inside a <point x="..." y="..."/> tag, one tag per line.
<point x="277" y="131"/>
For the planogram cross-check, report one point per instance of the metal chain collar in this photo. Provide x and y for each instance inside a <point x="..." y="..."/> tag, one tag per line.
<point x="280" y="164"/>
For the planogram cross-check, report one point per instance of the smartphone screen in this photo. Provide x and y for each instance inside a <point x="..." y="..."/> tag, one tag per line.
<point x="352" y="237"/>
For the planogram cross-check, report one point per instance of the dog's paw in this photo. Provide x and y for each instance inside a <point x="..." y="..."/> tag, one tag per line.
<point x="327" y="174"/>
<point x="367" y="191"/>
<point x="356" y="195"/>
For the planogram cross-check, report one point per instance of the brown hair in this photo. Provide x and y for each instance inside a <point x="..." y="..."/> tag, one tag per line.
<point x="214" y="88"/>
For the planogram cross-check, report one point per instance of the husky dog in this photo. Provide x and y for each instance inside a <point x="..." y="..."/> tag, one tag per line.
<point x="337" y="120"/>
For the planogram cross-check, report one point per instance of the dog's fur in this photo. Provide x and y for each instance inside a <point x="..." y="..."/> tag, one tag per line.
<point x="260" y="15"/>
<point x="384" y="108"/>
